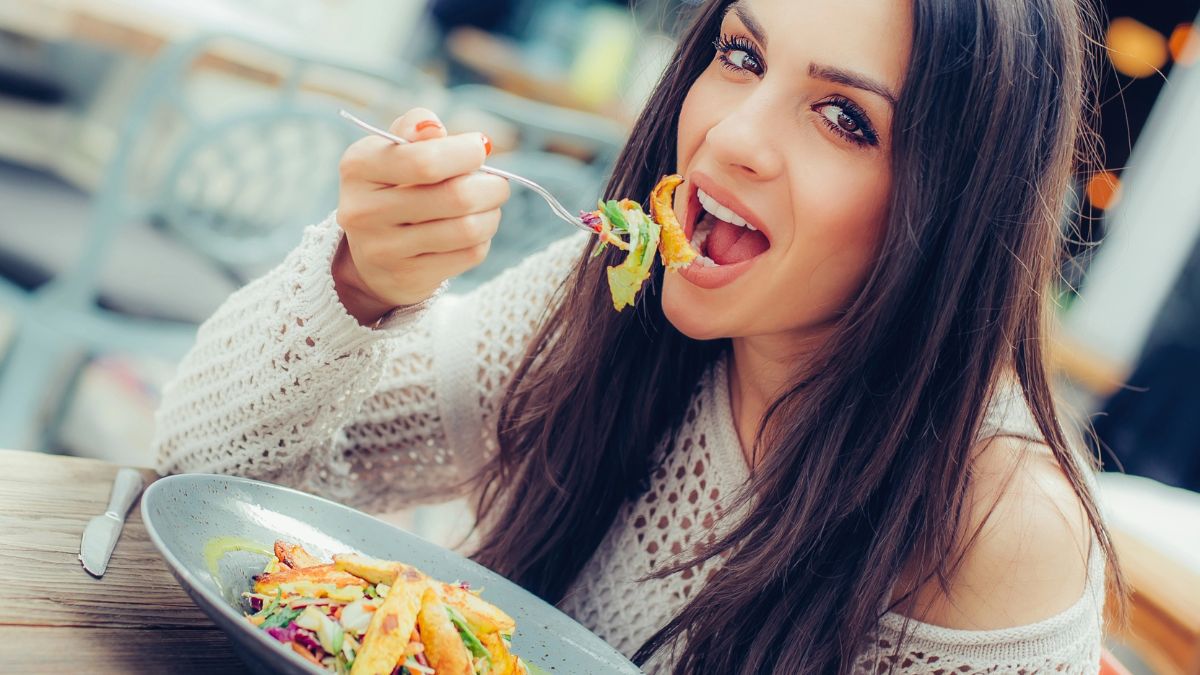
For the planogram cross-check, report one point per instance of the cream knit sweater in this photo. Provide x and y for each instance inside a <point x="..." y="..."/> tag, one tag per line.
<point x="283" y="385"/>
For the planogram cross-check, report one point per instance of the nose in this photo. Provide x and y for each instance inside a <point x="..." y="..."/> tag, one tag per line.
<point x="741" y="141"/>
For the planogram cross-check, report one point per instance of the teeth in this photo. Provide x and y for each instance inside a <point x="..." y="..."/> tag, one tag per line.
<point x="697" y="242"/>
<point x="700" y="235"/>
<point x="721" y="211"/>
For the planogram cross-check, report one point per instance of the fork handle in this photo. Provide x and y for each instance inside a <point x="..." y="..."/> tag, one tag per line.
<point x="558" y="209"/>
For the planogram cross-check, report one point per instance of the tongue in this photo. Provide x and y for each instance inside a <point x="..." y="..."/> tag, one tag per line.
<point x="728" y="243"/>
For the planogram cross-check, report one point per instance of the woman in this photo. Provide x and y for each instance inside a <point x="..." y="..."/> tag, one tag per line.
<point x="833" y="450"/>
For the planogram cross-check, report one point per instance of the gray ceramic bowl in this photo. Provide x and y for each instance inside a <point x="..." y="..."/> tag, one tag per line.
<point x="184" y="512"/>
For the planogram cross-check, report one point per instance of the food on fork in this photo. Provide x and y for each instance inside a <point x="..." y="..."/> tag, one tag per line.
<point x="645" y="235"/>
<point x="363" y="616"/>
<point x="674" y="246"/>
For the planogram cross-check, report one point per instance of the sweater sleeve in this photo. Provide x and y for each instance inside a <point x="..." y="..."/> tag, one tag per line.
<point x="284" y="385"/>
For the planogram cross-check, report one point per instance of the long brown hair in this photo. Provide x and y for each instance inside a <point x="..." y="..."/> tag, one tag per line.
<point x="868" y="446"/>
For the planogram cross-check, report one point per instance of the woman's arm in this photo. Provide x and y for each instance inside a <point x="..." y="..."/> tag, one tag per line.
<point x="284" y="385"/>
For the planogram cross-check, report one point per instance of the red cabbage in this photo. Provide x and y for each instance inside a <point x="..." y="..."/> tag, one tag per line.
<point x="284" y="635"/>
<point x="307" y="639"/>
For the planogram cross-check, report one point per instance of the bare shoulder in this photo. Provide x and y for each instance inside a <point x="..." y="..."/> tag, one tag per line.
<point x="1028" y="558"/>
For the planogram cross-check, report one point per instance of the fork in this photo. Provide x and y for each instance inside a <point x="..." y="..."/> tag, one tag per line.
<point x="555" y="205"/>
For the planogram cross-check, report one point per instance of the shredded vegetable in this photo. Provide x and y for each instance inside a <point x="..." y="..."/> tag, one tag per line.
<point x="644" y="236"/>
<point x="360" y="616"/>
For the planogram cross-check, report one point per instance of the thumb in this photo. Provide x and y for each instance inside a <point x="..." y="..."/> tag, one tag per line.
<point x="418" y="124"/>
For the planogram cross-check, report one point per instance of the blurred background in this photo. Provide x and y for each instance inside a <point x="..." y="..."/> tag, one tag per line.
<point x="157" y="154"/>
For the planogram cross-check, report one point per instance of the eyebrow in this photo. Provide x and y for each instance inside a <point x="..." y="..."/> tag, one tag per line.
<point x="748" y="20"/>
<point x="850" y="79"/>
<point x="817" y="70"/>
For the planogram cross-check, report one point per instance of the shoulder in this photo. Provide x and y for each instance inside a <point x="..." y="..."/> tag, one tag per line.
<point x="1025" y="541"/>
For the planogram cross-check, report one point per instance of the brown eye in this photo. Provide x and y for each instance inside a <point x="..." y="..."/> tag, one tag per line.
<point x="847" y="119"/>
<point x="744" y="60"/>
<point x="835" y="114"/>
<point x="737" y="54"/>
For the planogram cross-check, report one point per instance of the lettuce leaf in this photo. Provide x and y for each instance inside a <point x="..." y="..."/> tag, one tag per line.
<point x="626" y="279"/>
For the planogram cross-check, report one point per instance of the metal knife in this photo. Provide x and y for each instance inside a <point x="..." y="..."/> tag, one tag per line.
<point x="101" y="534"/>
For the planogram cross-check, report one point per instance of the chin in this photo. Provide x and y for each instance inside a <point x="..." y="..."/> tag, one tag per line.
<point x="684" y="306"/>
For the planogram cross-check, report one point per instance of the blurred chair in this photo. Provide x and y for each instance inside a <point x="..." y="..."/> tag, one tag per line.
<point x="229" y="148"/>
<point x="1109" y="665"/>
<point x="570" y="153"/>
<point x="1156" y="531"/>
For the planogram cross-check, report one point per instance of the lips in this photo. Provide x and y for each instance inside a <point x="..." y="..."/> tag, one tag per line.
<point x="727" y="247"/>
<point x="719" y="226"/>
<point x="694" y="210"/>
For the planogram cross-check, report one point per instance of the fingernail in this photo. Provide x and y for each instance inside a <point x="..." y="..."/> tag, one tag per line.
<point x="428" y="124"/>
<point x="487" y="144"/>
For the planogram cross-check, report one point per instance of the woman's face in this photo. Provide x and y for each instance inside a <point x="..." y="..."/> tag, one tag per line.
<point x="788" y="130"/>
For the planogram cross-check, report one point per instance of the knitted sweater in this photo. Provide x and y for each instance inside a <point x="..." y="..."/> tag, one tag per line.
<point x="283" y="385"/>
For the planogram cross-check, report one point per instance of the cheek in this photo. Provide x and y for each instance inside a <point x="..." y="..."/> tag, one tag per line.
<point x="841" y="220"/>
<point x="699" y="112"/>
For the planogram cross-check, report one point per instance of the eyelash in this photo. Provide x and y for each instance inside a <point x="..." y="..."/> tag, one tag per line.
<point x="856" y="114"/>
<point x="734" y="43"/>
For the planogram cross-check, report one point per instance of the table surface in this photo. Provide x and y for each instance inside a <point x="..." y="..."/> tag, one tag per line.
<point x="55" y="617"/>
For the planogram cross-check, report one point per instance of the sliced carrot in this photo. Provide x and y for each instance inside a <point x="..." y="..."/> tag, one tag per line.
<point x="299" y="649"/>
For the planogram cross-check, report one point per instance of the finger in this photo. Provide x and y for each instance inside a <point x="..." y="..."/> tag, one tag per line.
<point x="444" y="236"/>
<point x="396" y="274"/>
<point x="460" y="196"/>
<point x="363" y="208"/>
<point x="418" y="124"/>
<point x="425" y="163"/>
<point x="451" y="263"/>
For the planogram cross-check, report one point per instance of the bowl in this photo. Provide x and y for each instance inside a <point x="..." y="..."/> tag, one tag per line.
<point x="185" y="512"/>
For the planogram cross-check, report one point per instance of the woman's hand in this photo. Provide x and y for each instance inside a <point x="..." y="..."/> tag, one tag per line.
<point x="414" y="215"/>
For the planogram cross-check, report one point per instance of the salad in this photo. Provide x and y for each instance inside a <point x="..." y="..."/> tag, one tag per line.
<point x="363" y="616"/>
<point x="643" y="236"/>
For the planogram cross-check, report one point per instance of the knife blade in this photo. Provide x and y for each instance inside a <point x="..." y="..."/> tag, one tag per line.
<point x="101" y="534"/>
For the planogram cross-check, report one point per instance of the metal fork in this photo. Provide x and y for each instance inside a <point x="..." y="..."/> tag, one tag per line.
<point x="555" y="205"/>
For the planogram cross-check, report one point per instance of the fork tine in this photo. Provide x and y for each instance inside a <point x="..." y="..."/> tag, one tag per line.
<point x="555" y="205"/>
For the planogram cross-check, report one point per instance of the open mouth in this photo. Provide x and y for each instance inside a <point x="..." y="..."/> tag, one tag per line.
<point x="721" y="234"/>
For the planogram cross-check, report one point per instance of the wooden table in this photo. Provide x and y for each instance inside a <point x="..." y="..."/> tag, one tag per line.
<point x="136" y="26"/>
<point x="55" y="617"/>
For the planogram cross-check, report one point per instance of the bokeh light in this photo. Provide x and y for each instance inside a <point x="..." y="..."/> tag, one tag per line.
<point x="1185" y="44"/>
<point x="1104" y="190"/>
<point x="1135" y="49"/>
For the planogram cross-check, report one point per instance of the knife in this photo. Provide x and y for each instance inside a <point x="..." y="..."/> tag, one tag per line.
<point x="101" y="534"/>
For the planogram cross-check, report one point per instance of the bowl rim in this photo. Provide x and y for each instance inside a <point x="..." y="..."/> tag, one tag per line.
<point x="193" y="585"/>
<point x="184" y="574"/>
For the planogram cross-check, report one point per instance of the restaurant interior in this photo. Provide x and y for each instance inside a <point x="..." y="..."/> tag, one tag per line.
<point x="156" y="155"/>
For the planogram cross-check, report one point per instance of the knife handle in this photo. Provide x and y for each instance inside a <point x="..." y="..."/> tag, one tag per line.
<point x="125" y="489"/>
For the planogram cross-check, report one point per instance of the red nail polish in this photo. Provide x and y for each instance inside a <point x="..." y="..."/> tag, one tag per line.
<point x="487" y="144"/>
<point x="428" y="124"/>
